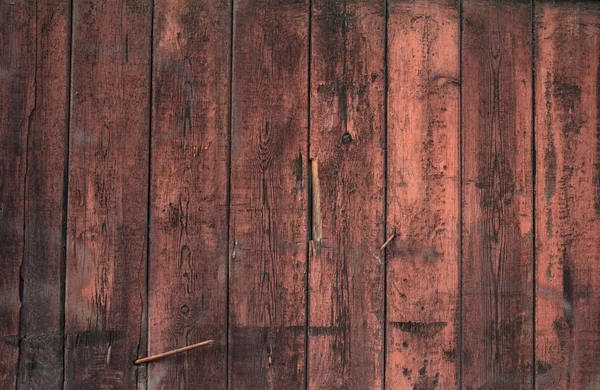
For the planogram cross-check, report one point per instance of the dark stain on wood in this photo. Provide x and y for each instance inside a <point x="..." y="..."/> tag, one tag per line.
<point x="423" y="329"/>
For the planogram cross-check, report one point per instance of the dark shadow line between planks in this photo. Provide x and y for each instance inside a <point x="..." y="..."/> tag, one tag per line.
<point x="228" y="201"/>
<point x="460" y="196"/>
<point x="533" y="194"/>
<point x="145" y="325"/>
<point x="385" y="186"/>
<point x="309" y="218"/>
<point x="65" y="208"/>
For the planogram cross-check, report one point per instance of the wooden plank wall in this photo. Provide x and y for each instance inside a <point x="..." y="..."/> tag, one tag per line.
<point x="173" y="171"/>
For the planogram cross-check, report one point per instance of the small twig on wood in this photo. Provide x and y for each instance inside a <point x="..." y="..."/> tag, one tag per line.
<point x="387" y="242"/>
<point x="173" y="352"/>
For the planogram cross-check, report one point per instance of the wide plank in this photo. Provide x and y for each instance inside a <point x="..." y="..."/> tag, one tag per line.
<point x="347" y="139"/>
<point x="423" y="195"/>
<point x="268" y="216"/>
<point x="497" y="197"/>
<point x="108" y="191"/>
<point x="42" y="271"/>
<point x="567" y="120"/>
<point x="17" y="113"/>
<point x="188" y="220"/>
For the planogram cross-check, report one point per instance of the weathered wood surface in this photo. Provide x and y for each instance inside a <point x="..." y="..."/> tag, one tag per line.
<point x="188" y="235"/>
<point x="497" y="198"/>
<point x="176" y="171"/>
<point x="108" y="190"/>
<point x="17" y="115"/>
<point x="42" y="271"/>
<point x="269" y="195"/>
<point x="567" y="121"/>
<point x="347" y="140"/>
<point x="423" y="195"/>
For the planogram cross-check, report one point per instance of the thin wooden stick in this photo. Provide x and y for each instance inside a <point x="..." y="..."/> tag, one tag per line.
<point x="173" y="352"/>
<point x="388" y="240"/>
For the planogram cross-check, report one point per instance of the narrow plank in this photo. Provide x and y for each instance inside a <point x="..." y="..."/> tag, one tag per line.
<point x="568" y="195"/>
<point x="347" y="138"/>
<point x="42" y="321"/>
<point x="423" y="197"/>
<point x="497" y="198"/>
<point x="17" y="111"/>
<point x="268" y="216"/>
<point x="188" y="226"/>
<point x="108" y="180"/>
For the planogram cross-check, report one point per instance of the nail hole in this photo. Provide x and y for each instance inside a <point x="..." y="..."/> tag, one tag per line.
<point x="346" y="138"/>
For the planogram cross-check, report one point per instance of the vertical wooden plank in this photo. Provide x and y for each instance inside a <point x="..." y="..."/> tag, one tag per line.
<point x="42" y="272"/>
<point x="268" y="216"/>
<point x="568" y="195"/>
<point x="423" y="196"/>
<point x="17" y="111"/>
<point x="497" y="201"/>
<point x="346" y="274"/>
<point x="108" y="179"/>
<point x="188" y="236"/>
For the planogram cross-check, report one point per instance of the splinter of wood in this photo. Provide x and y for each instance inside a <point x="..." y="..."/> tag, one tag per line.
<point x="173" y="352"/>
<point x="387" y="242"/>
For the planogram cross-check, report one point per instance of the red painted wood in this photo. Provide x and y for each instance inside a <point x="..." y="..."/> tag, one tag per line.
<point x="280" y="171"/>
<point x="567" y="121"/>
<point x="347" y="137"/>
<point x="17" y="112"/>
<point x="188" y="226"/>
<point x="41" y="355"/>
<point x="108" y="179"/>
<point x="423" y="195"/>
<point x="268" y="222"/>
<point x="497" y="198"/>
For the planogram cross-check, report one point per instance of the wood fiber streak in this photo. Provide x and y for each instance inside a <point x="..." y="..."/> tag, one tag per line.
<point x="568" y="195"/>
<point x="108" y="179"/>
<point x="268" y="217"/>
<point x="188" y="226"/>
<point x="17" y="114"/>
<point x="346" y="275"/>
<point x="41" y="356"/>
<point x="423" y="197"/>
<point x="497" y="198"/>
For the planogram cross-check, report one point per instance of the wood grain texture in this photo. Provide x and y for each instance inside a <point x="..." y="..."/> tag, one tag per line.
<point x="17" y="113"/>
<point x="497" y="198"/>
<point x="108" y="180"/>
<point x="42" y="271"/>
<point x="188" y="226"/>
<point x="423" y="197"/>
<point x="268" y="220"/>
<point x="347" y="138"/>
<point x="568" y="195"/>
